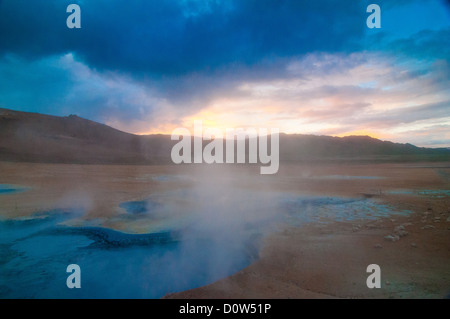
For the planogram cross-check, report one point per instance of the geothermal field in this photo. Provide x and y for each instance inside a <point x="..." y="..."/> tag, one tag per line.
<point x="225" y="231"/>
<point x="238" y="149"/>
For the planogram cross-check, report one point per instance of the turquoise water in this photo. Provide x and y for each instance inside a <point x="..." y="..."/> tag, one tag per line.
<point x="331" y="209"/>
<point x="140" y="207"/>
<point x="34" y="254"/>
<point x="438" y="193"/>
<point x="11" y="189"/>
<point x="435" y="193"/>
<point x="221" y="237"/>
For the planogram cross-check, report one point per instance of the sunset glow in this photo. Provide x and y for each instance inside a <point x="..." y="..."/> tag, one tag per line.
<point x="391" y="82"/>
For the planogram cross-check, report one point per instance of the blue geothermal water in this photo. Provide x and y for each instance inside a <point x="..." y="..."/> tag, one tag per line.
<point x="35" y="252"/>
<point x="11" y="189"/>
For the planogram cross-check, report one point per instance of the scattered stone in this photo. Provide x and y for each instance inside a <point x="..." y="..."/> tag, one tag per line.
<point x="407" y="224"/>
<point x="427" y="227"/>
<point x="378" y="246"/>
<point x="414" y="245"/>
<point x="393" y="238"/>
<point x="387" y="283"/>
<point x="426" y="213"/>
<point x="402" y="233"/>
<point x="448" y="219"/>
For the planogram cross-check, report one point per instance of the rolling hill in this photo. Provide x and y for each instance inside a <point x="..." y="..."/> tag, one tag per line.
<point x="33" y="137"/>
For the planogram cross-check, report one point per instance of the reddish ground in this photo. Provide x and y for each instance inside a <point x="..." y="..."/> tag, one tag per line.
<point x="312" y="261"/>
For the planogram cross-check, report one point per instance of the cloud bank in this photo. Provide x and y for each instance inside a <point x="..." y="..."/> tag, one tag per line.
<point x="301" y="66"/>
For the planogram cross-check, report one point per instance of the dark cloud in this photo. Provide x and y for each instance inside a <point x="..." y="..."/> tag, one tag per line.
<point x="138" y="63"/>
<point x="59" y="85"/>
<point x="424" y="45"/>
<point x="33" y="85"/>
<point x="168" y="37"/>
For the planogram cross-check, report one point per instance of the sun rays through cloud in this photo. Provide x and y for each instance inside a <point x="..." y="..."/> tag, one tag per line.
<point x="164" y="64"/>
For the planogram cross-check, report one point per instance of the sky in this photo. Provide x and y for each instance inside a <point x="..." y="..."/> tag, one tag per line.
<point x="307" y="67"/>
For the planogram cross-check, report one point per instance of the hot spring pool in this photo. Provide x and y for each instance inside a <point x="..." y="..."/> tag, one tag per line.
<point x="35" y="252"/>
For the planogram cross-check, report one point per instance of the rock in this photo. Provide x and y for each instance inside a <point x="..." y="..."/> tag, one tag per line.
<point x="387" y="283"/>
<point x="393" y="238"/>
<point x="414" y="245"/>
<point x="378" y="246"/>
<point x="427" y="227"/>
<point x="407" y="224"/>
<point x="448" y="219"/>
<point x="402" y="233"/>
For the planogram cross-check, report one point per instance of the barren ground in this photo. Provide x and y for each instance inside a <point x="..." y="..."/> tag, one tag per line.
<point x="316" y="260"/>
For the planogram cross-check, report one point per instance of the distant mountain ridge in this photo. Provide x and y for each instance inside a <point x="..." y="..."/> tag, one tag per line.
<point x="34" y="137"/>
<point x="354" y="147"/>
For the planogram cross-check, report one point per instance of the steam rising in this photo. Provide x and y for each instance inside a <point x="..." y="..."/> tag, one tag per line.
<point x="186" y="230"/>
<point x="207" y="224"/>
